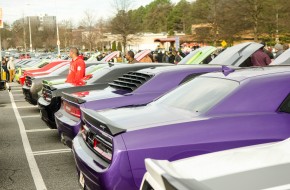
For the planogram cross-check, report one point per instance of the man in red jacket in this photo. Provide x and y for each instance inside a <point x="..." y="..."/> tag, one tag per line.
<point x="77" y="68"/>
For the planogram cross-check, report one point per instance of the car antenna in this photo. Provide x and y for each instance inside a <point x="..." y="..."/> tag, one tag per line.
<point x="227" y="70"/>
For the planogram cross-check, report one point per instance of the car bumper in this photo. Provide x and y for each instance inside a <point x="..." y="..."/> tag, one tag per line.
<point x="67" y="127"/>
<point x="47" y="110"/>
<point x="29" y="96"/>
<point x="118" y="175"/>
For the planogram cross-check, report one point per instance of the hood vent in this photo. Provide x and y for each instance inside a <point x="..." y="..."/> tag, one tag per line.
<point x="130" y="81"/>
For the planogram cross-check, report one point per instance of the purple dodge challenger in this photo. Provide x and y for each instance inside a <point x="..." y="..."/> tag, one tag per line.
<point x="210" y="113"/>
<point x="142" y="87"/>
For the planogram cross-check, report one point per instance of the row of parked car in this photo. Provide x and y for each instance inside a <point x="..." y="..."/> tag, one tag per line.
<point x="124" y="119"/>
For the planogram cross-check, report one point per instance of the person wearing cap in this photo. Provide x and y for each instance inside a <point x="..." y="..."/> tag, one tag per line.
<point x="260" y="58"/>
<point x="130" y="57"/>
<point x="77" y="68"/>
<point x="279" y="48"/>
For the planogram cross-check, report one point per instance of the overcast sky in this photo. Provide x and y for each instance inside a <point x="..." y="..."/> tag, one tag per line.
<point x="63" y="9"/>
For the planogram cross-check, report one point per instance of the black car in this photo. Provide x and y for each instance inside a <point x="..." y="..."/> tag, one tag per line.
<point x="50" y="100"/>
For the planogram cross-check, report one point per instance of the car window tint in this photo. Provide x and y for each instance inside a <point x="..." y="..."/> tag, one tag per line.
<point x="199" y="94"/>
<point x="285" y="106"/>
<point x="190" y="77"/>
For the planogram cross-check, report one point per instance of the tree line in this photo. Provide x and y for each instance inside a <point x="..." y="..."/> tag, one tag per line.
<point x="208" y="21"/>
<point x="230" y="20"/>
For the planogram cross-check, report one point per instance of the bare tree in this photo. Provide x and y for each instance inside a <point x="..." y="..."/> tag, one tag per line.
<point x="122" y="24"/>
<point x="65" y="32"/>
<point x="90" y="34"/>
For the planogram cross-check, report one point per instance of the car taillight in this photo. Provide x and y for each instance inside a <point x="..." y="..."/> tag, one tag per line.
<point x="73" y="110"/>
<point x="102" y="149"/>
<point x="97" y="143"/>
<point x="84" y="131"/>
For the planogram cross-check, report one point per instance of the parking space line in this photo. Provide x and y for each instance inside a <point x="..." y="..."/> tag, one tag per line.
<point x="29" y="116"/>
<point x="57" y="151"/>
<point x="25" y="107"/>
<point x="36" y="175"/>
<point x="39" y="130"/>
<point x="19" y="100"/>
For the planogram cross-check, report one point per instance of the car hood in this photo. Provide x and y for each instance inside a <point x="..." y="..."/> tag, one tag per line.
<point x="128" y="119"/>
<point x="283" y="59"/>
<point x="197" y="56"/>
<point x="225" y="169"/>
<point x="237" y="54"/>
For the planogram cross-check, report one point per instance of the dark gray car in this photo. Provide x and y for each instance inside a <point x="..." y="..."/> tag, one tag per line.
<point x="50" y="101"/>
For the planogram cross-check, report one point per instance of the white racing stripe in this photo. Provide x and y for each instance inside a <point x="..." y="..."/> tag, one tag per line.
<point x="36" y="175"/>
<point x="57" y="151"/>
<point x="39" y="130"/>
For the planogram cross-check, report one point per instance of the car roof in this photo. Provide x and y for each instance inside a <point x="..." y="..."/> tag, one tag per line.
<point x="250" y="72"/>
<point x="172" y="68"/>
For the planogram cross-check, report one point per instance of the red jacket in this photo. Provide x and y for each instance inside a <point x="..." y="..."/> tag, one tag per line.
<point x="77" y="71"/>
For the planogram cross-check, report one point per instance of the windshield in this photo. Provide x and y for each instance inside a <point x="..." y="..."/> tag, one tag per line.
<point x="198" y="95"/>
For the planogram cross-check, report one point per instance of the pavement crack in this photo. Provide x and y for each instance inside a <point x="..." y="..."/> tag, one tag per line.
<point x="10" y="173"/>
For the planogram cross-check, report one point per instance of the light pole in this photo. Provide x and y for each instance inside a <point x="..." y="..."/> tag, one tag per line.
<point x="58" y="42"/>
<point x="277" y="24"/>
<point x="30" y="38"/>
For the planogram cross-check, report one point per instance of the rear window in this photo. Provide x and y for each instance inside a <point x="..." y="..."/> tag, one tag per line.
<point x="199" y="94"/>
<point x="285" y="106"/>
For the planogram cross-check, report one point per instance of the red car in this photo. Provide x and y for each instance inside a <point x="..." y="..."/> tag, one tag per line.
<point x="43" y="71"/>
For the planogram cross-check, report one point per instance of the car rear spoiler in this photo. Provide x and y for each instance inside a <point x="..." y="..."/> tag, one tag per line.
<point x="160" y="169"/>
<point x="101" y="122"/>
<point x="71" y="98"/>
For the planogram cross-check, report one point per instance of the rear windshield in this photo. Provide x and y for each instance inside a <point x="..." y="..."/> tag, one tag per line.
<point x="198" y="95"/>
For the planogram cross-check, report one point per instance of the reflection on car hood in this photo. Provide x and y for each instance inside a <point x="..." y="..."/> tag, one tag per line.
<point x="135" y="118"/>
<point x="97" y="94"/>
<point x="65" y="85"/>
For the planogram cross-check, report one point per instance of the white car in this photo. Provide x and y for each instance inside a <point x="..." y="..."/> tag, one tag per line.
<point x="259" y="167"/>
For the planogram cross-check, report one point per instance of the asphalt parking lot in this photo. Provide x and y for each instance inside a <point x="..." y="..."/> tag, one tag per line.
<point x="31" y="156"/>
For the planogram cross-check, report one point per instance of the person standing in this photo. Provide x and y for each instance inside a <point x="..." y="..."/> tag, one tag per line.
<point x="5" y="69"/>
<point x="260" y="58"/>
<point x="279" y="48"/>
<point x="171" y="57"/>
<point x="177" y="58"/>
<point x="77" y="68"/>
<point x="11" y="68"/>
<point x="130" y="57"/>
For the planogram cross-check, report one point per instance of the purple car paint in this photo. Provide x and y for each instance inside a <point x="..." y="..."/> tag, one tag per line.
<point x="210" y="113"/>
<point x="135" y="88"/>
<point x="161" y="81"/>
